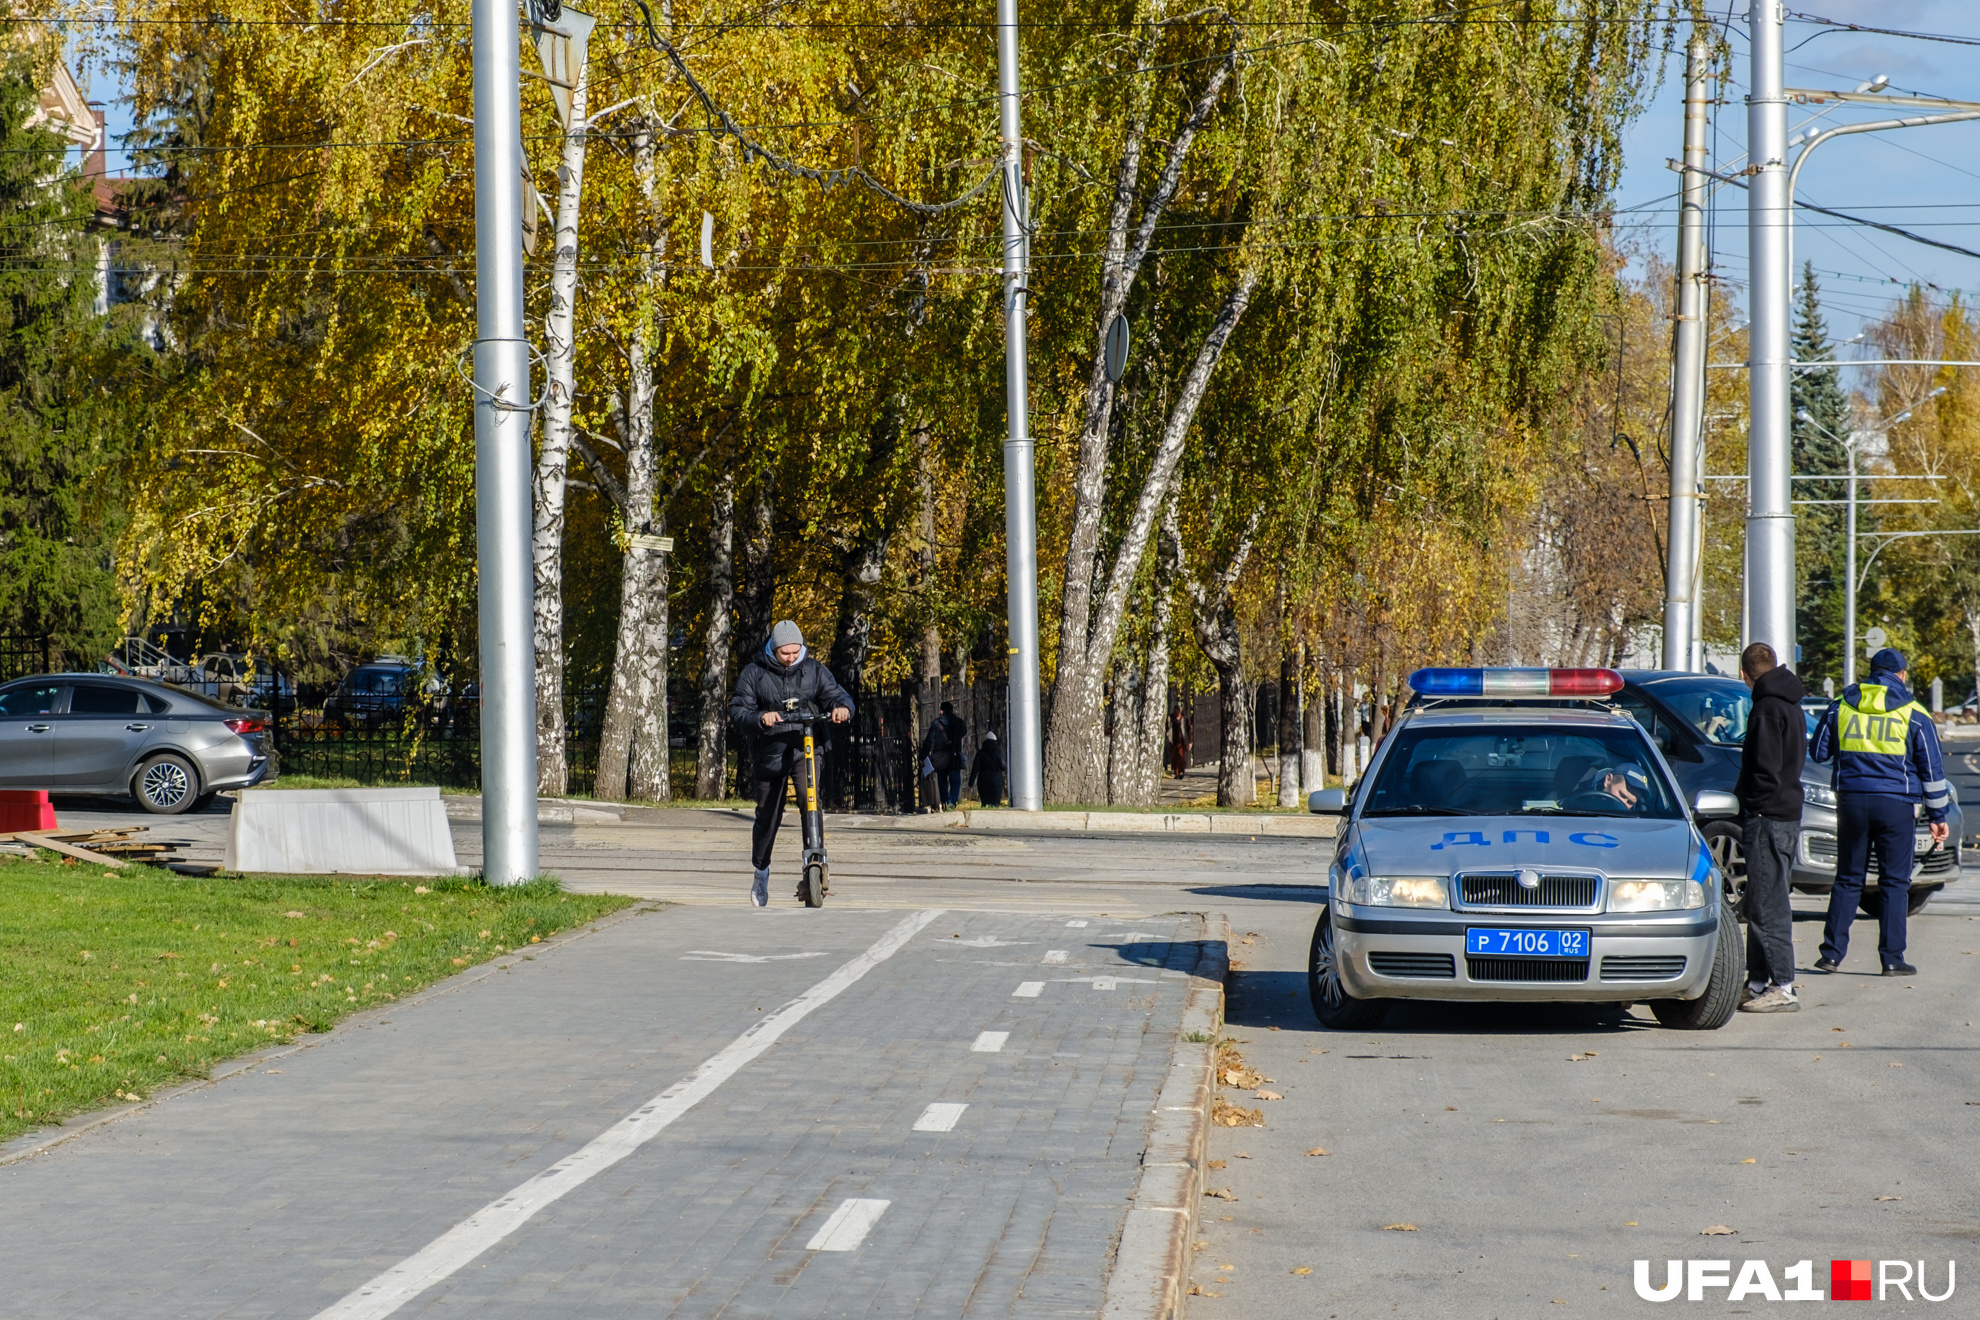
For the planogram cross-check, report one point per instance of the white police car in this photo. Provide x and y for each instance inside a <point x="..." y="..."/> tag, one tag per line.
<point x="1504" y="848"/>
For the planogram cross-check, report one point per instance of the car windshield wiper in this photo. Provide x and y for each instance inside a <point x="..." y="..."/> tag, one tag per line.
<point x="1420" y="811"/>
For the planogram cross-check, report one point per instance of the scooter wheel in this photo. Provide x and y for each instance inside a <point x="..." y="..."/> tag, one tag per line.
<point x="814" y="886"/>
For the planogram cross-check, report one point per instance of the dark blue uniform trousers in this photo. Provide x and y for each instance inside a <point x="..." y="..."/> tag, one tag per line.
<point x="1865" y="821"/>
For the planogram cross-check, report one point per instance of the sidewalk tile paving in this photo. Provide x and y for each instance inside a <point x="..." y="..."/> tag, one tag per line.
<point x="277" y="1193"/>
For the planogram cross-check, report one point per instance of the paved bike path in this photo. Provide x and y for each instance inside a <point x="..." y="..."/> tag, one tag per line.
<point x="281" y="1192"/>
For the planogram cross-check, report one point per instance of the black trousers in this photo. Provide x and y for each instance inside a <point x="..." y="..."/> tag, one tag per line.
<point x="1866" y="821"/>
<point x="1769" y="846"/>
<point x="990" y="787"/>
<point x="770" y="809"/>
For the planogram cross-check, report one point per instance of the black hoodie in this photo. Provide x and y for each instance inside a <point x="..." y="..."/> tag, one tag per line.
<point x="1776" y="745"/>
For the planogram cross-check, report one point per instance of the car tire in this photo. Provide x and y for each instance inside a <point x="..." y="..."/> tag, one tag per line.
<point x="166" y="785"/>
<point x="1332" y="1004"/>
<point x="1728" y="848"/>
<point x="1715" y="1007"/>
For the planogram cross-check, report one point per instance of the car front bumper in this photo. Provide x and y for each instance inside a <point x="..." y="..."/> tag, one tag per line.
<point x="1404" y="953"/>
<point x="1815" y="853"/>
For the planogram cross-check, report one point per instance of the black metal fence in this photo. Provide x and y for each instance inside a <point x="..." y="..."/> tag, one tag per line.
<point x="21" y="656"/>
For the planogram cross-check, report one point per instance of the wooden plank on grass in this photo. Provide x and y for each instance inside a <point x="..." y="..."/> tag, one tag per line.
<point x="41" y="840"/>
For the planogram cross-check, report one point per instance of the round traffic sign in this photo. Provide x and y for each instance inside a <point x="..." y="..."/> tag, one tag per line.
<point x="1876" y="639"/>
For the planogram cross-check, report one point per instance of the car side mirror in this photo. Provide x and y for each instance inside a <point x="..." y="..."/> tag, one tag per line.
<point x="1715" y="802"/>
<point x="1327" y="802"/>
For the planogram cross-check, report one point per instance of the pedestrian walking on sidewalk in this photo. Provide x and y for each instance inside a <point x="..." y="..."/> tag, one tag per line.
<point x="987" y="775"/>
<point x="781" y="677"/>
<point x="1886" y="753"/>
<point x="942" y="753"/>
<point x="1769" y="790"/>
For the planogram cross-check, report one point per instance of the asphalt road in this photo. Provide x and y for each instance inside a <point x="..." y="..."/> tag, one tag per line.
<point x="1533" y="1178"/>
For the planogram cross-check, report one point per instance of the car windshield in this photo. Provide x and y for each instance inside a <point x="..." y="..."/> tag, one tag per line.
<point x="1716" y="707"/>
<point x="375" y="680"/>
<point x="1514" y="770"/>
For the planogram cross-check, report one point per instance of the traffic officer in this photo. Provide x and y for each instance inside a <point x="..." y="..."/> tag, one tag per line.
<point x="1886" y="753"/>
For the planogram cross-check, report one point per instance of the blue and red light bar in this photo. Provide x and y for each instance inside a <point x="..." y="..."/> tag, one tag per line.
<point x="1515" y="682"/>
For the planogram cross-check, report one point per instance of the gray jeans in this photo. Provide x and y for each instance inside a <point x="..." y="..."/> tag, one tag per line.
<point x="1769" y="846"/>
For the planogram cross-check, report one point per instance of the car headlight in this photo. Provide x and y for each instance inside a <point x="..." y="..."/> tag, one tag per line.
<point x="1820" y="795"/>
<point x="1654" y="895"/>
<point x="1396" y="890"/>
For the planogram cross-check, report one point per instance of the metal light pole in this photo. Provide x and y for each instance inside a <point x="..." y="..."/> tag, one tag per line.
<point x="502" y="458"/>
<point x="1687" y="376"/>
<point x="1849" y="571"/>
<point x="1020" y="519"/>
<point x="1769" y="514"/>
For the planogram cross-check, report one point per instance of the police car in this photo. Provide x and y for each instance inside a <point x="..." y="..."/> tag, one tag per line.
<point x="1532" y="851"/>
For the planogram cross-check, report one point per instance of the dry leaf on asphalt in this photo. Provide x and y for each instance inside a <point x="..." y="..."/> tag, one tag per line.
<point x="1221" y="1193"/>
<point x="1716" y="1230"/>
<point x="1304" y="1269"/>
<point x="1897" y="1065"/>
<point x="1749" y="1161"/>
<point x="1229" y="1115"/>
<point x="1577" y="1058"/>
<point x="1320" y="1151"/>
<point x="1890" y="1198"/>
<point x="1399" y="1228"/>
<point x="1244" y="1155"/>
<point x="1274" y="1095"/>
<point x="1216" y="1164"/>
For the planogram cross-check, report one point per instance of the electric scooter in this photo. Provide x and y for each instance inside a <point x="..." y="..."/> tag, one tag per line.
<point x="814" y="886"/>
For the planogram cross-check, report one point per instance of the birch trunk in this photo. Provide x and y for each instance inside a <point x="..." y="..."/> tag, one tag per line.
<point x="1217" y="634"/>
<point x="1313" y="741"/>
<point x="632" y="751"/>
<point x="1141" y="699"/>
<point x="547" y="536"/>
<point x="1290" y="663"/>
<point x="711" y="751"/>
<point x="1075" y="750"/>
<point x="928" y="692"/>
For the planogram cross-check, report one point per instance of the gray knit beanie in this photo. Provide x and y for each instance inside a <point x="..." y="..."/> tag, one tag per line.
<point x="786" y="634"/>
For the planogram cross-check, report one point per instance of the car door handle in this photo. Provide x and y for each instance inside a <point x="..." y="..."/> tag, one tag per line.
<point x="137" y="728"/>
<point x="39" y="728"/>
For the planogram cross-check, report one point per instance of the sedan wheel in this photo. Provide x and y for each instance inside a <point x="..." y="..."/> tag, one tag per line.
<point x="1729" y="851"/>
<point x="1332" y="1004"/>
<point x="166" y="785"/>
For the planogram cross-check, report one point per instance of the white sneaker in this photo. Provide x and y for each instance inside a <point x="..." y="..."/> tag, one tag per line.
<point x="1776" y="999"/>
<point x="759" y="890"/>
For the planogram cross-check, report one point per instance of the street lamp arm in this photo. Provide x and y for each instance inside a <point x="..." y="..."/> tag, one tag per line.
<point x="1891" y="538"/>
<point x="1875" y="126"/>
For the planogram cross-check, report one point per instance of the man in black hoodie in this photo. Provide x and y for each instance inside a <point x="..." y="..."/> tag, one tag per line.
<point x="1769" y="790"/>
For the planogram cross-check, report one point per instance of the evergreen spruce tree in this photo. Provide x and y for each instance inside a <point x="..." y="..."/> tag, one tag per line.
<point x="1818" y="449"/>
<point x="57" y="440"/>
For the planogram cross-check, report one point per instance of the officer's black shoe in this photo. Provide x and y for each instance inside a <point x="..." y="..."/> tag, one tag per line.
<point x="1900" y="969"/>
<point x="1827" y="965"/>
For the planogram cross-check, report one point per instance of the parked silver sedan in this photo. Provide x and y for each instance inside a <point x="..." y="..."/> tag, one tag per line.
<point x="1523" y="854"/>
<point x="169" y="748"/>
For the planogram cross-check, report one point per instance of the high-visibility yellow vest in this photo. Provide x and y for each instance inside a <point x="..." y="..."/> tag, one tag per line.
<point x="1870" y="728"/>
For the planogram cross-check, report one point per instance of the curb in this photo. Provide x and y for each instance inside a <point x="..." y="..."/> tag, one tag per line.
<point x="1004" y="821"/>
<point x="1151" y="1265"/>
<point x="37" y="1143"/>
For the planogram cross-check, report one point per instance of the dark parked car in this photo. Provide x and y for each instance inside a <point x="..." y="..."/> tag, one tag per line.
<point x="169" y="747"/>
<point x="383" y="692"/>
<point x="1698" y="722"/>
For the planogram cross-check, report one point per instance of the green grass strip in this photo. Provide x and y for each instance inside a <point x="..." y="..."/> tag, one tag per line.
<point x="114" y="983"/>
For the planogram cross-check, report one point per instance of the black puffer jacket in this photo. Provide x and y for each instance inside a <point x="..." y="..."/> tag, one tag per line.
<point x="764" y="685"/>
<point x="1776" y="745"/>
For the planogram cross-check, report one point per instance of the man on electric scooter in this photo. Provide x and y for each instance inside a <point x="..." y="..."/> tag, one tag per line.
<point x="783" y="671"/>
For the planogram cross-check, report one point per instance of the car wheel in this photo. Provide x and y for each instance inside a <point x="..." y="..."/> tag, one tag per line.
<point x="1728" y="849"/>
<point x="166" y="785"/>
<point x="1715" y="1007"/>
<point x="1332" y="1004"/>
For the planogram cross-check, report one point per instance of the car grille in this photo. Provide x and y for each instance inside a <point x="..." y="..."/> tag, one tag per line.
<point x="1940" y="862"/>
<point x="1526" y="969"/>
<point x="1428" y="966"/>
<point x="1659" y="967"/>
<point x="1820" y="848"/>
<point x="1502" y="889"/>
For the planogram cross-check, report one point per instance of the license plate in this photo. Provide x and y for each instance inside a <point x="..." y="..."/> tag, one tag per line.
<point x="1525" y="942"/>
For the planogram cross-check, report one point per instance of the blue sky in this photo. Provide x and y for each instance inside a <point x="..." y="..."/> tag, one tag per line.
<point x="1923" y="179"/>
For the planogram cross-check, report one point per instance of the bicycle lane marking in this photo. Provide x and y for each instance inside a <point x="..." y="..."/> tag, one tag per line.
<point x="461" y="1244"/>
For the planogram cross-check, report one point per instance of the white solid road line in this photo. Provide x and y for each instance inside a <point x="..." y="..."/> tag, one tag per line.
<point x="849" y="1225"/>
<point x="939" y="1117"/>
<point x="481" y="1230"/>
<point x="1028" y="990"/>
<point x="989" y="1042"/>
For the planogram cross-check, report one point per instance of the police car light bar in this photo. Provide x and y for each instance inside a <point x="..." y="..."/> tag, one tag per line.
<point x="1515" y="682"/>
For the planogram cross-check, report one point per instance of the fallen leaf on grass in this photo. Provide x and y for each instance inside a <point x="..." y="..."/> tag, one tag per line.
<point x="1399" y="1228"/>
<point x="1888" y="1198"/>
<point x="1716" y="1230"/>
<point x="1304" y="1269"/>
<point x="298" y="914"/>
<point x="1319" y="1151"/>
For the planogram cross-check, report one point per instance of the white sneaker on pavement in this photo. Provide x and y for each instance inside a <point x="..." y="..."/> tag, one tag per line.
<point x="759" y="890"/>
<point x="1775" y="999"/>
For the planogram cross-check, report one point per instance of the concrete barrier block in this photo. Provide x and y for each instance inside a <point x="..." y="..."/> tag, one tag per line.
<point x="345" y="831"/>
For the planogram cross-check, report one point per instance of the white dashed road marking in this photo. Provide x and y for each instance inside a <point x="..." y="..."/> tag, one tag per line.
<point x="989" y="1042"/>
<point x="1054" y="956"/>
<point x="710" y="955"/>
<point x="459" y="1245"/>
<point x="939" y="1117"/>
<point x="1029" y="990"/>
<point x="1071" y="925"/>
<point x="849" y="1225"/>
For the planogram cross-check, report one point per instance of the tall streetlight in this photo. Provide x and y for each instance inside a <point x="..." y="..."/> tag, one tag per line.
<point x="1688" y="375"/>
<point x="1769" y="509"/>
